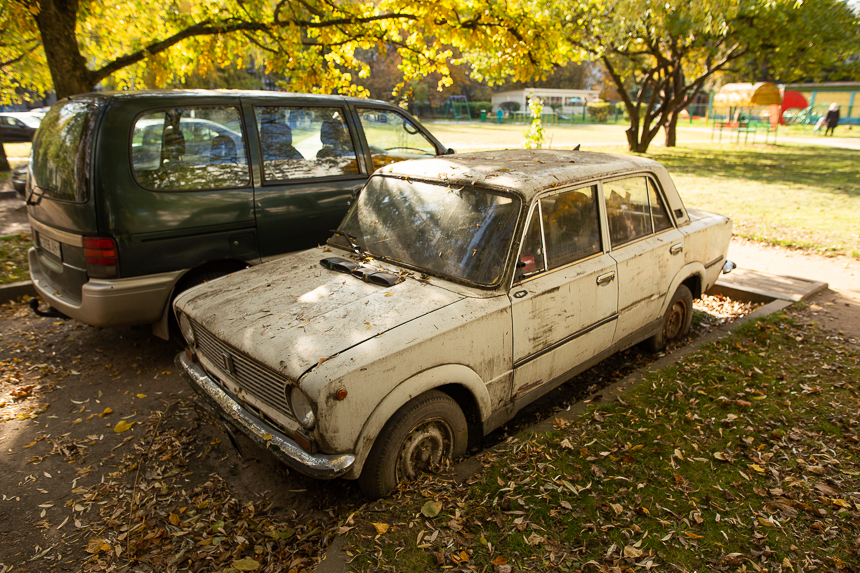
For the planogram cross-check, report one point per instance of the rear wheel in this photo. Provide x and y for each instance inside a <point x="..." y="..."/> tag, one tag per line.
<point x="419" y="436"/>
<point x="676" y="322"/>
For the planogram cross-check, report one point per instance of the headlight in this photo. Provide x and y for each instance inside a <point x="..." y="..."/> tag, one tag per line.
<point x="186" y="329"/>
<point x="302" y="409"/>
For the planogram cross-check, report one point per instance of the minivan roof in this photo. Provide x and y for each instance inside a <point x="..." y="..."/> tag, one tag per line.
<point x="524" y="172"/>
<point x="257" y="94"/>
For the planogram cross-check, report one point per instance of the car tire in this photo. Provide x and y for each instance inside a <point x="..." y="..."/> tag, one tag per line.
<point x="676" y="322"/>
<point x="420" y="435"/>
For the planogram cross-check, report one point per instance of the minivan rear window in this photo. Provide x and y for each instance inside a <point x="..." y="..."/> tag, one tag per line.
<point x="62" y="151"/>
<point x="190" y="148"/>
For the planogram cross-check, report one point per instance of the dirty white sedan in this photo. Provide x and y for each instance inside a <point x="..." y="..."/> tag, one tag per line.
<point x="457" y="290"/>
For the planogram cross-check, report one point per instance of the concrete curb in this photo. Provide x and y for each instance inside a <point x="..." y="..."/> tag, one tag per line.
<point x="335" y="559"/>
<point x="15" y="290"/>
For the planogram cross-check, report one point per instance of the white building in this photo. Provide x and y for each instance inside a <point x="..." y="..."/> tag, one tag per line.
<point x="572" y="101"/>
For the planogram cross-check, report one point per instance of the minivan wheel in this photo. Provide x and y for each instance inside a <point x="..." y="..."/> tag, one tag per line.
<point x="422" y="434"/>
<point x="676" y="322"/>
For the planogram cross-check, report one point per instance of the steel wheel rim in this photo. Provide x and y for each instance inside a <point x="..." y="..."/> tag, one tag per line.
<point x="675" y="320"/>
<point x="424" y="448"/>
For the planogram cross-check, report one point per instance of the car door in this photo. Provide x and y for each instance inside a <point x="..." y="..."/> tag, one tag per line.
<point x="565" y="294"/>
<point x="310" y="173"/>
<point x="647" y="247"/>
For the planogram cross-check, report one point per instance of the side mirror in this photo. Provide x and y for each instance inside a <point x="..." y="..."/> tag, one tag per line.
<point x="450" y="151"/>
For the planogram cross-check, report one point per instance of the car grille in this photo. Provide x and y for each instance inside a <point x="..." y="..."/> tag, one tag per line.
<point x="260" y="382"/>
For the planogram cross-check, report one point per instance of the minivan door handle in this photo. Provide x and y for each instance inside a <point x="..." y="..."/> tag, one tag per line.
<point x="606" y="278"/>
<point x="675" y="249"/>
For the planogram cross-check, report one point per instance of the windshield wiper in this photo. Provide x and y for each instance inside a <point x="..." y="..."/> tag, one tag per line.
<point x="353" y="242"/>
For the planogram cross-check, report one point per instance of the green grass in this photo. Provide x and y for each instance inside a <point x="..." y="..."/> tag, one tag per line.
<point x="13" y="258"/>
<point x="799" y="196"/>
<point x="744" y="456"/>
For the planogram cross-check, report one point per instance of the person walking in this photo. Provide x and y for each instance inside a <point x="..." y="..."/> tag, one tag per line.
<point x="832" y="118"/>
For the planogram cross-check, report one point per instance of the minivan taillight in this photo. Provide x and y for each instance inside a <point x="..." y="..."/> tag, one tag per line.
<point x="101" y="256"/>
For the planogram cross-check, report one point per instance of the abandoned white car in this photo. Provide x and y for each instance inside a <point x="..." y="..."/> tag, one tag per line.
<point x="457" y="290"/>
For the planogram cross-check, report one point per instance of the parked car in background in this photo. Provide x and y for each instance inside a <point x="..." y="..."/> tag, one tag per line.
<point x="137" y="196"/>
<point x="456" y="291"/>
<point x="18" y="126"/>
<point x="19" y="177"/>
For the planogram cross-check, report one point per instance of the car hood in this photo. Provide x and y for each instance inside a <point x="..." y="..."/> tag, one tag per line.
<point x="292" y="314"/>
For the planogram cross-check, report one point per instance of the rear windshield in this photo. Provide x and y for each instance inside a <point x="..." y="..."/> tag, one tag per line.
<point x="62" y="151"/>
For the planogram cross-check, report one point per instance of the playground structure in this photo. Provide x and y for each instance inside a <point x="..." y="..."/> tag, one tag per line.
<point x="750" y="109"/>
<point x="455" y="105"/>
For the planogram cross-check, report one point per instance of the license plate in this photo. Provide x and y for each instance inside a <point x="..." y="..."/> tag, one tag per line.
<point x="50" y="245"/>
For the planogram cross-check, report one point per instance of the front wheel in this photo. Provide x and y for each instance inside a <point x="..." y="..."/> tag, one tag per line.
<point x="419" y="436"/>
<point x="676" y="322"/>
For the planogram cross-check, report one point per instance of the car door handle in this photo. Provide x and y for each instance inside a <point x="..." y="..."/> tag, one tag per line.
<point x="675" y="249"/>
<point x="606" y="278"/>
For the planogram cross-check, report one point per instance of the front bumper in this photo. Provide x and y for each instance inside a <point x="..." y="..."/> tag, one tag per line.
<point x="229" y="410"/>
<point x="108" y="302"/>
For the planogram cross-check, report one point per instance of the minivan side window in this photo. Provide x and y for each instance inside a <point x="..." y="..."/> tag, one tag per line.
<point x="304" y="143"/>
<point x="392" y="137"/>
<point x="190" y="148"/>
<point x="62" y="151"/>
<point x="634" y="209"/>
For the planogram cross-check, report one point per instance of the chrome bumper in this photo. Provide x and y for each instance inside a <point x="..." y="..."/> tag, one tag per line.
<point x="321" y="466"/>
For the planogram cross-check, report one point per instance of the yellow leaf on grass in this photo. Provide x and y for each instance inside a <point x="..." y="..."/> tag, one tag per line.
<point x="630" y="551"/>
<point x="122" y="426"/>
<point x="174" y="519"/>
<point x="692" y="535"/>
<point x="757" y="468"/>
<point x="105" y="413"/>
<point x="380" y="527"/>
<point x="500" y="561"/>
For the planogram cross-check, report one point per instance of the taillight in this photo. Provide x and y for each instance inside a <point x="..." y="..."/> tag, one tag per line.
<point x="101" y="256"/>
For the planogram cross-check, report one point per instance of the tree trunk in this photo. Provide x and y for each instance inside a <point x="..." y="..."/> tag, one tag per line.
<point x="671" y="129"/>
<point x="56" y="20"/>
<point x="4" y="161"/>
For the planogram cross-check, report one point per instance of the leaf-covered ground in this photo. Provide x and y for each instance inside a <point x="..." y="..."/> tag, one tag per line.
<point x="13" y="258"/>
<point x="742" y="457"/>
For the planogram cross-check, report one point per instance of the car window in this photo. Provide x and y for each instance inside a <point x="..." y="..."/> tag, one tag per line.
<point x="392" y="137"/>
<point x="304" y="143"/>
<point x="571" y="224"/>
<point x="190" y="148"/>
<point x="658" y="210"/>
<point x="61" y="151"/>
<point x="627" y="209"/>
<point x="531" y="259"/>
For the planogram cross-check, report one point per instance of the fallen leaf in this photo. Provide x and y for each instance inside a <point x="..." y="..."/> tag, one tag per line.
<point x="105" y="413"/>
<point x="95" y="544"/>
<point x="246" y="564"/>
<point x="630" y="551"/>
<point x="431" y="509"/>
<point x="122" y="426"/>
<point x="380" y="527"/>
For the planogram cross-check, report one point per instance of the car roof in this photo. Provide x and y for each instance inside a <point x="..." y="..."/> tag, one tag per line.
<point x="524" y="172"/>
<point x="256" y="94"/>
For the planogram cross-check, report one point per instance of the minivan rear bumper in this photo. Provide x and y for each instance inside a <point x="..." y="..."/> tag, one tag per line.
<point x="109" y="302"/>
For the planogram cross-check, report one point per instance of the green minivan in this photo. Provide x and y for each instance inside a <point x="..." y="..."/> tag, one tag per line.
<point x="136" y="196"/>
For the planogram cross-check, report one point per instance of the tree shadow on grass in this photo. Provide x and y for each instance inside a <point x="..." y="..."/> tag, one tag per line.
<point x="828" y="169"/>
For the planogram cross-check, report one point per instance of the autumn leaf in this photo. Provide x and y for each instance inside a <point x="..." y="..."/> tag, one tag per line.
<point x="174" y="519"/>
<point x="105" y="413"/>
<point x="431" y="509"/>
<point x="122" y="426"/>
<point x="380" y="527"/>
<point x="630" y="551"/>
<point x="94" y="544"/>
<point x="246" y="564"/>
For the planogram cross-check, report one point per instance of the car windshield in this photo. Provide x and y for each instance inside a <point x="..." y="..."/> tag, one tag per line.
<point x="459" y="232"/>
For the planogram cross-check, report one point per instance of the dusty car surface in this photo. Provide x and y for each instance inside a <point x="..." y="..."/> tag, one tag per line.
<point x="457" y="290"/>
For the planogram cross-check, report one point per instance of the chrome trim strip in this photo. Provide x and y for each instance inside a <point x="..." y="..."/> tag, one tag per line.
<point x="62" y="236"/>
<point x="565" y="340"/>
<point x="322" y="466"/>
<point x="714" y="262"/>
